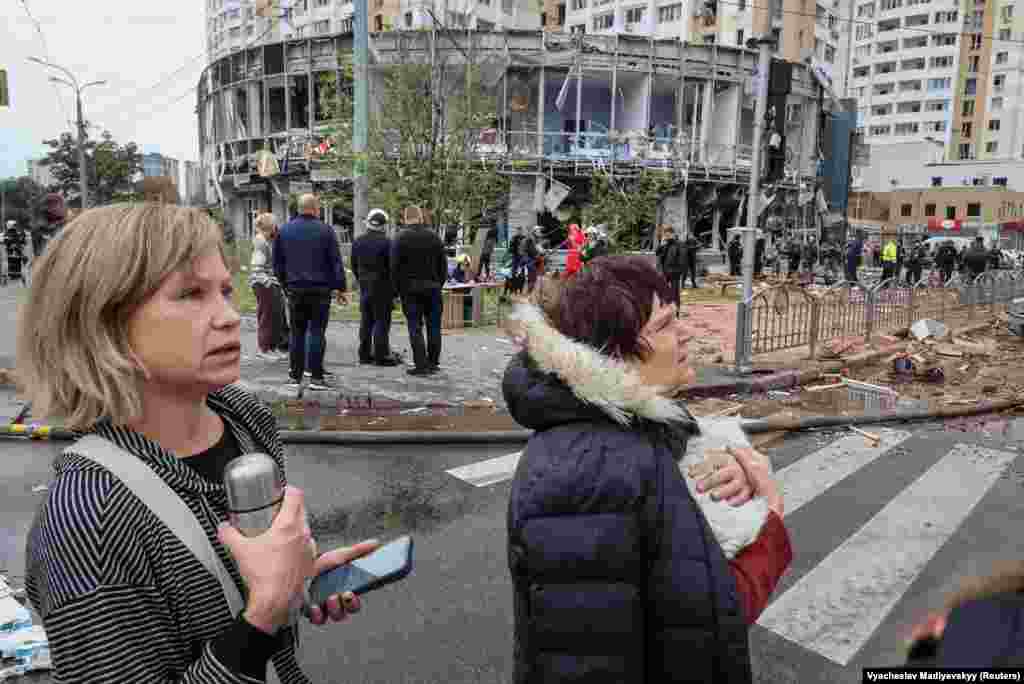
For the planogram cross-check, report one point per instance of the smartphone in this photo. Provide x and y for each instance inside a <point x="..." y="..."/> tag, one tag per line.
<point x="390" y="563"/>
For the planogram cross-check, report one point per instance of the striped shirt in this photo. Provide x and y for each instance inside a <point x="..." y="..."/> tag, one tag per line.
<point x="121" y="597"/>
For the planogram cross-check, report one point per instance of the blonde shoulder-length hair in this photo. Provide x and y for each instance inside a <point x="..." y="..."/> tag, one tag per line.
<point x="265" y="224"/>
<point x="74" y="360"/>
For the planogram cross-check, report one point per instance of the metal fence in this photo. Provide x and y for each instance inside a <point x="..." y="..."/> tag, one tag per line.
<point x="788" y="316"/>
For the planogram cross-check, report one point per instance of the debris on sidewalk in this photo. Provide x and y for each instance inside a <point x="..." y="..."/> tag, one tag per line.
<point x="20" y="640"/>
<point x="927" y="327"/>
<point x="872" y="438"/>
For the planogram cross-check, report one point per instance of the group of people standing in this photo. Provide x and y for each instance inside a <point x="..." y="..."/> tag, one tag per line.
<point x="299" y="265"/>
<point x="677" y="259"/>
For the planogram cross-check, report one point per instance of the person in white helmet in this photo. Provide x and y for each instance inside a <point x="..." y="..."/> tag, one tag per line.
<point x="371" y="265"/>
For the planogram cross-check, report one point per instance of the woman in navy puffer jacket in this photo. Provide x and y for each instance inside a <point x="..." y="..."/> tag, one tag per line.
<point x="617" y="574"/>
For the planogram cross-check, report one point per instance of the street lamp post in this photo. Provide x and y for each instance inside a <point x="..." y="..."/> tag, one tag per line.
<point x="83" y="178"/>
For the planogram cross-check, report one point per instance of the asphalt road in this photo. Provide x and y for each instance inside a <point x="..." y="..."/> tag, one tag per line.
<point x="880" y="535"/>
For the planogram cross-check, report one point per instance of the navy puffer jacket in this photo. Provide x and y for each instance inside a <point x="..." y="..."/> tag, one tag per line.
<point x="617" y="575"/>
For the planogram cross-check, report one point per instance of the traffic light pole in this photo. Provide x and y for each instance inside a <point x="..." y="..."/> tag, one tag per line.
<point x="743" y="317"/>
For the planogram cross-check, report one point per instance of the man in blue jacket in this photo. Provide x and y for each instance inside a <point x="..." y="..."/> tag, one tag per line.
<point x="307" y="262"/>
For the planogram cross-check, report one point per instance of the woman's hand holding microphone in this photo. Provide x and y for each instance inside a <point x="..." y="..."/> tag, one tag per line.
<point x="276" y="564"/>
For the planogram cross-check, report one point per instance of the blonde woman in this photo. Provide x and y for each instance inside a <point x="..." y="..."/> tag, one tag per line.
<point x="270" y="316"/>
<point x="130" y="336"/>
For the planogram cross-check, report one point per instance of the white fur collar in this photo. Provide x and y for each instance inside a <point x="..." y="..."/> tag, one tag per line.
<point x="595" y="379"/>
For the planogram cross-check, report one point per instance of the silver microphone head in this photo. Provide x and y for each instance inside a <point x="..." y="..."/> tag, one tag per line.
<point x="255" y="489"/>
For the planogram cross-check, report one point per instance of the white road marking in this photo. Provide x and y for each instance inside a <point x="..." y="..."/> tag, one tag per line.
<point x="489" y="472"/>
<point x="815" y="473"/>
<point x="837" y="606"/>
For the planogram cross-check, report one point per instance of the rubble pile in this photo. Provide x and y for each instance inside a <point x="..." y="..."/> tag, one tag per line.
<point x="23" y="645"/>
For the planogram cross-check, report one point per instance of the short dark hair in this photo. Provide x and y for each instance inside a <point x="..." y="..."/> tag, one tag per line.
<point x="607" y="305"/>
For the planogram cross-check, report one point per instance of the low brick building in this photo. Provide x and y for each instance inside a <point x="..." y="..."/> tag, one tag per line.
<point x="993" y="212"/>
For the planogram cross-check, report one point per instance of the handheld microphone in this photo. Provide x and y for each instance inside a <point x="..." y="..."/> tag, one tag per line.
<point x="255" y="491"/>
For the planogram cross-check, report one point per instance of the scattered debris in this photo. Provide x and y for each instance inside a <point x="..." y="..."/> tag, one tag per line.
<point x="874" y="439"/>
<point x="778" y="394"/>
<point x="927" y="327"/>
<point x="902" y="364"/>
<point x="947" y="350"/>
<point x="822" y="388"/>
<point x="732" y="410"/>
<point x="407" y="412"/>
<point x="20" y="640"/>
<point x="40" y="488"/>
<point x="974" y="347"/>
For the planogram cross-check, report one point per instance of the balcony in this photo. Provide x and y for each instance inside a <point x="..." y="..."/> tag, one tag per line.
<point x="888" y="25"/>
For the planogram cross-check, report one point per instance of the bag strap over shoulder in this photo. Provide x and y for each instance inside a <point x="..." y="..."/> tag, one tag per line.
<point x="169" y="508"/>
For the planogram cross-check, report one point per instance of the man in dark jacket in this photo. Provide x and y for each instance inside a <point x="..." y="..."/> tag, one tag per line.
<point x="691" y="246"/>
<point x="371" y="265"/>
<point x="976" y="258"/>
<point x="528" y="256"/>
<point x="809" y="255"/>
<point x="945" y="259"/>
<point x="915" y="263"/>
<point x="487" y="254"/>
<point x="419" y="269"/>
<point x="307" y="263"/>
<point x="759" y="247"/>
<point x="735" y="255"/>
<point x="853" y="252"/>
<point x="671" y="261"/>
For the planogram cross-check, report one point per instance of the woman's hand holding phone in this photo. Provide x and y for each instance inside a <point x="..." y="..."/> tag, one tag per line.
<point x="338" y="606"/>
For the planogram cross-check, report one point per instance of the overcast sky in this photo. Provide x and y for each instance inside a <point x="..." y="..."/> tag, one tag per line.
<point x="132" y="44"/>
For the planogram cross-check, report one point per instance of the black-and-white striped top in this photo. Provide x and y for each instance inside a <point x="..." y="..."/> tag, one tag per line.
<point x="122" y="599"/>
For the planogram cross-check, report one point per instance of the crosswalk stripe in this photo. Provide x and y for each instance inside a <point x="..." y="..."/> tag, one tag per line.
<point x="814" y="474"/>
<point x="836" y="607"/>
<point x="489" y="472"/>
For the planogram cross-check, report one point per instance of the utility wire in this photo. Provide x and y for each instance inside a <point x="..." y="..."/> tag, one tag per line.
<point x="46" y="53"/>
<point x="192" y="89"/>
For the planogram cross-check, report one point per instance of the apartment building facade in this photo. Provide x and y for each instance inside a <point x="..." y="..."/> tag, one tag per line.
<point x="236" y="25"/>
<point x="948" y="73"/>
<point x="804" y="31"/>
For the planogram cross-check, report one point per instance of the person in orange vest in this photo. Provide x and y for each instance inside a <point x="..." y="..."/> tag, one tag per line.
<point x="573" y="262"/>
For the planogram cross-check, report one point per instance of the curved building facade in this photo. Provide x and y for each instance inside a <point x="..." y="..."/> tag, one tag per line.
<point x="639" y="103"/>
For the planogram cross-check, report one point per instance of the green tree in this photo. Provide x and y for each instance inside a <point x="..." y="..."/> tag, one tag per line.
<point x="21" y="198"/>
<point x="628" y="205"/>
<point x="111" y="167"/>
<point x="423" y="149"/>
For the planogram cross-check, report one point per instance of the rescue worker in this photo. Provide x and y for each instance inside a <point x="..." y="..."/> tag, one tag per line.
<point x="371" y="265"/>
<point x="889" y="256"/>
<point x="976" y="258"/>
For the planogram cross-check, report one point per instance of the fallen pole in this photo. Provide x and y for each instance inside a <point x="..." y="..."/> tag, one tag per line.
<point x="816" y="422"/>
<point x="342" y="438"/>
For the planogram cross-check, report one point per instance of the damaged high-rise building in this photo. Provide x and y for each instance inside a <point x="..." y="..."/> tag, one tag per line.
<point x="633" y="104"/>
